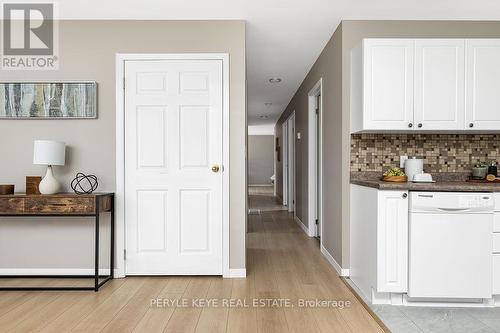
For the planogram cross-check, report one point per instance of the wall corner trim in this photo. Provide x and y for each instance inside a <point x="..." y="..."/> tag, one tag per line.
<point x="303" y="227"/>
<point x="235" y="273"/>
<point x="341" y="271"/>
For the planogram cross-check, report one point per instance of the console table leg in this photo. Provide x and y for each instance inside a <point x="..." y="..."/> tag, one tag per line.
<point x="96" y="278"/>
<point x="112" y="259"/>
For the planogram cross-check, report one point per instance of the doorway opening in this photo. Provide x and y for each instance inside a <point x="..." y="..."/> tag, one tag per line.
<point x="315" y="202"/>
<point x="288" y="135"/>
<point x="261" y="150"/>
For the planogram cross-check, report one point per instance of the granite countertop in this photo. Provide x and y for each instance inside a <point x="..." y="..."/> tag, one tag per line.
<point x="444" y="183"/>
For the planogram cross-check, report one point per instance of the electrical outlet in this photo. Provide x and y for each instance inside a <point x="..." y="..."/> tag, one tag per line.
<point x="402" y="160"/>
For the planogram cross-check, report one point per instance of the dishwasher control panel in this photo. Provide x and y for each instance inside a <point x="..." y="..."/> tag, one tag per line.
<point x="474" y="201"/>
<point x="451" y="202"/>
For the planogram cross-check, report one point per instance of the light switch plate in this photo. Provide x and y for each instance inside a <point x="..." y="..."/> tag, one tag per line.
<point x="298" y="135"/>
<point x="402" y="160"/>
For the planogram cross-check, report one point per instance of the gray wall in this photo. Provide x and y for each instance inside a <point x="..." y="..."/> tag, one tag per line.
<point x="334" y="66"/>
<point x="87" y="52"/>
<point x="329" y="67"/>
<point x="260" y="159"/>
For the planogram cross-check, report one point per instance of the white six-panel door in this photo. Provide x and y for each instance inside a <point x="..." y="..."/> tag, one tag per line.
<point x="439" y="84"/>
<point x="173" y="146"/>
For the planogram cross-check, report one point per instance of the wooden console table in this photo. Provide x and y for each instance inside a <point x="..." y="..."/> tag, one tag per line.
<point x="63" y="205"/>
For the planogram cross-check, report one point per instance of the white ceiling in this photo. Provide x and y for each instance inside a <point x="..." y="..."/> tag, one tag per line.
<point x="284" y="37"/>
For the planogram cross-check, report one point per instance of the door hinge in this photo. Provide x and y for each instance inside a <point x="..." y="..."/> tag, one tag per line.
<point x="317" y="221"/>
<point x="124" y="254"/>
<point x="124" y="83"/>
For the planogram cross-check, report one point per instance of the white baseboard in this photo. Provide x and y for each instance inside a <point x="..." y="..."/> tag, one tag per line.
<point x="237" y="273"/>
<point x="302" y="225"/>
<point x="341" y="271"/>
<point x="52" y="271"/>
<point x="309" y="232"/>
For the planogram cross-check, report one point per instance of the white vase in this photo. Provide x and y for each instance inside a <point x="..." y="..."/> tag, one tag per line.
<point x="49" y="184"/>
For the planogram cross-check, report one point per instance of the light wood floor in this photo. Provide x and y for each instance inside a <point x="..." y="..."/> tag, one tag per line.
<point x="282" y="263"/>
<point x="262" y="198"/>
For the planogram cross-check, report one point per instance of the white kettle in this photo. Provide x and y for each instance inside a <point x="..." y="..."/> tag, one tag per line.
<point x="413" y="166"/>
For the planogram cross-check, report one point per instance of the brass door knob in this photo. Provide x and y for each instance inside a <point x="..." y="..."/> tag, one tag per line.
<point x="215" y="168"/>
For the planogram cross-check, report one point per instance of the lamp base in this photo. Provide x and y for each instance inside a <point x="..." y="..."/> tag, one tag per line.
<point x="49" y="184"/>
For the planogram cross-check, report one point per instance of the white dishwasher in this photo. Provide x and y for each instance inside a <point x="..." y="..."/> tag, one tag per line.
<point x="450" y="245"/>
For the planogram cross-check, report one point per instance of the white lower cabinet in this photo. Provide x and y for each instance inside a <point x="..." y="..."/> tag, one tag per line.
<point x="496" y="274"/>
<point x="496" y="242"/>
<point x="379" y="246"/>
<point x="379" y="240"/>
<point x="392" y="240"/>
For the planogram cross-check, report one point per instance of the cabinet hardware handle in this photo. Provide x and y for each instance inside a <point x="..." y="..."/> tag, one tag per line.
<point x="471" y="125"/>
<point x="410" y="125"/>
<point x="405" y="195"/>
<point x="420" y="125"/>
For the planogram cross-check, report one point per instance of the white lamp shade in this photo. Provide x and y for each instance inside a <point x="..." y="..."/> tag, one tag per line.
<point x="49" y="152"/>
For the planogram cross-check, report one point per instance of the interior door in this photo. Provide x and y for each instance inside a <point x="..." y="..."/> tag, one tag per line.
<point x="285" y="162"/>
<point x="173" y="171"/>
<point x="439" y="84"/>
<point x="388" y="84"/>
<point x="317" y="175"/>
<point x="291" y="163"/>
<point x="483" y="79"/>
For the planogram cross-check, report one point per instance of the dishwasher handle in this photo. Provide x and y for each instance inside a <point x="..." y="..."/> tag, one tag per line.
<point x="454" y="210"/>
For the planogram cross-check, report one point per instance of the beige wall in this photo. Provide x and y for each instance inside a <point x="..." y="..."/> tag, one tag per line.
<point x="329" y="67"/>
<point x="87" y="52"/>
<point x="260" y="159"/>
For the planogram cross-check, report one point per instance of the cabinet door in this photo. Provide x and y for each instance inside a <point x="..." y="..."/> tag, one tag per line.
<point x="392" y="241"/>
<point x="388" y="84"/>
<point x="439" y="84"/>
<point x="482" y="106"/>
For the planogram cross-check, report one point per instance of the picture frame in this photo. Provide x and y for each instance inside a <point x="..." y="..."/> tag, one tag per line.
<point x="48" y="100"/>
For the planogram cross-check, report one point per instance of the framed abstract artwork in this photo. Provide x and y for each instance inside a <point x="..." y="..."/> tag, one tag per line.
<point x="48" y="100"/>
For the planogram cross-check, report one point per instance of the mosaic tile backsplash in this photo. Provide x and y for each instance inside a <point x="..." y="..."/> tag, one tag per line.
<point x="441" y="152"/>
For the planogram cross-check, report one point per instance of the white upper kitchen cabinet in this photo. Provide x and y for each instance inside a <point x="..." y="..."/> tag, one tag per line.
<point x="404" y="85"/>
<point x="439" y="84"/>
<point x="382" y="85"/>
<point x="483" y="84"/>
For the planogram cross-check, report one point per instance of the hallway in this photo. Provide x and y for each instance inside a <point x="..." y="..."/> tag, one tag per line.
<point x="283" y="265"/>
<point x="261" y="198"/>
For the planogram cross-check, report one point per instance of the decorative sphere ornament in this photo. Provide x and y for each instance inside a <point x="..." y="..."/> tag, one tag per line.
<point x="84" y="184"/>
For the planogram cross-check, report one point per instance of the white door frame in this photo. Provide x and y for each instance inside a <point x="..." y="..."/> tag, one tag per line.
<point x="315" y="204"/>
<point x="291" y="162"/>
<point x="285" y="161"/>
<point x="121" y="58"/>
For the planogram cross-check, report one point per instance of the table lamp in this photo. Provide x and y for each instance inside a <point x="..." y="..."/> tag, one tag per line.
<point x="49" y="153"/>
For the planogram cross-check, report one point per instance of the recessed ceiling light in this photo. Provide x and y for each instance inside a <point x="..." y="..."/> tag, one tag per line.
<point x="268" y="104"/>
<point x="275" y="80"/>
